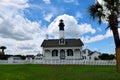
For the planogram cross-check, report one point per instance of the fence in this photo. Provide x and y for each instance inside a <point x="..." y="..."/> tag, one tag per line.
<point x="61" y="62"/>
<point x="80" y="62"/>
<point x="3" y="61"/>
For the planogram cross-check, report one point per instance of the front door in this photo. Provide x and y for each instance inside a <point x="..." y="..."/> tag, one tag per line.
<point x="62" y="54"/>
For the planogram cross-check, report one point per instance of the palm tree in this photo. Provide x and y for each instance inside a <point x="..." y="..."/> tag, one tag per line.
<point x="109" y="11"/>
<point x="3" y="48"/>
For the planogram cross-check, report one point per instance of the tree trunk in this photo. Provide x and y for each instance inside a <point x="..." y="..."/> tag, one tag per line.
<point x="118" y="59"/>
<point x="113" y="23"/>
<point x="3" y="51"/>
<point x="116" y="37"/>
<point x="117" y="44"/>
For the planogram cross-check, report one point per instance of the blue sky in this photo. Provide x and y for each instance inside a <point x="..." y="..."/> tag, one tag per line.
<point x="24" y="24"/>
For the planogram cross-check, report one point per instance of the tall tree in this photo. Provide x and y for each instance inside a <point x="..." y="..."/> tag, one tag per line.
<point x="109" y="10"/>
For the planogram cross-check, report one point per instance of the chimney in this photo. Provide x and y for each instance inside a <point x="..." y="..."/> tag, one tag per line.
<point x="77" y="36"/>
<point x="46" y="36"/>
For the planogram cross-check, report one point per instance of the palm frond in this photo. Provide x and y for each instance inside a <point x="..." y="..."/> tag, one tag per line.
<point x="96" y="11"/>
<point x="107" y="27"/>
<point x="113" y="6"/>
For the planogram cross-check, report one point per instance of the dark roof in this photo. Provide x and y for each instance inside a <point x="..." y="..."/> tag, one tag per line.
<point x="94" y="52"/>
<point x="68" y="43"/>
<point x="90" y="52"/>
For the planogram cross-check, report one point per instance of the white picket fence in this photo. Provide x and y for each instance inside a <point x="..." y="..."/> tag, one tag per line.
<point x="61" y="62"/>
<point x="80" y="62"/>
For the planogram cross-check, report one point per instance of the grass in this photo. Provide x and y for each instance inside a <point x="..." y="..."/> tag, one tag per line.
<point x="58" y="72"/>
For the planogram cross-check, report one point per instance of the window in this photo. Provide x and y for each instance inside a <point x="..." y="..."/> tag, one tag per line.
<point x="55" y="53"/>
<point x="62" y="54"/>
<point x="47" y="51"/>
<point x="84" y="57"/>
<point x="69" y="52"/>
<point x="62" y="41"/>
<point x="89" y="57"/>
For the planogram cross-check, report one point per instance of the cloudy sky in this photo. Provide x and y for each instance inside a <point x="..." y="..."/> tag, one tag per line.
<point x="24" y="24"/>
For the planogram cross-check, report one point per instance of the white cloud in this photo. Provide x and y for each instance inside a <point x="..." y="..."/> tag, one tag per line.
<point x="17" y="33"/>
<point x="99" y="29"/>
<point x="47" y="11"/>
<point x="9" y="21"/>
<point x="78" y="15"/>
<point x="47" y="1"/>
<point x="21" y="4"/>
<point x="89" y="39"/>
<point x="23" y="47"/>
<point x="9" y="8"/>
<point x="18" y="28"/>
<point x="48" y="17"/>
<point x="71" y="1"/>
<point x="99" y="37"/>
<point x="71" y="27"/>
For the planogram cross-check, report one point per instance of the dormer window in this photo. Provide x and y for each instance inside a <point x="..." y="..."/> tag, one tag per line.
<point x="62" y="41"/>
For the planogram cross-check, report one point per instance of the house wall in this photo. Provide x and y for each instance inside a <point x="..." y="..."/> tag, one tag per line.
<point x="85" y="55"/>
<point x="88" y="56"/>
<point x="13" y="59"/>
<point x="93" y="56"/>
<point x="76" y="52"/>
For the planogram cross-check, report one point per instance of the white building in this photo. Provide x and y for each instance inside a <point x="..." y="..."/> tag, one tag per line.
<point x="90" y="55"/>
<point x="13" y="59"/>
<point x="62" y="48"/>
<point x="38" y="57"/>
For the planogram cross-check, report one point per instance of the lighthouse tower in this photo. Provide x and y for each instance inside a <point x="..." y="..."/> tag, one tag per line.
<point x="61" y="29"/>
<point x="61" y="33"/>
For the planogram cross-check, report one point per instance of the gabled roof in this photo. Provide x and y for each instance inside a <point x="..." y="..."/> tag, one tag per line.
<point x="68" y="43"/>
<point x="91" y="53"/>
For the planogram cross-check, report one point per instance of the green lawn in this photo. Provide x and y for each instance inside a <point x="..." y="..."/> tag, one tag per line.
<point x="52" y="72"/>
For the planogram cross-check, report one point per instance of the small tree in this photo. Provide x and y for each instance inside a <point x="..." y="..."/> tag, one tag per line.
<point x="107" y="57"/>
<point x="3" y="48"/>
